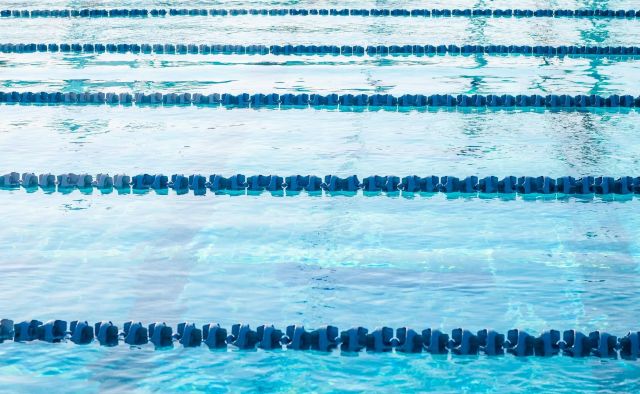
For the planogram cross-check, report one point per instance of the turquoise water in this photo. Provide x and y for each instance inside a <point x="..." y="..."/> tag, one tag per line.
<point x="216" y="140"/>
<point x="438" y="262"/>
<point x="314" y="74"/>
<point x="330" y="31"/>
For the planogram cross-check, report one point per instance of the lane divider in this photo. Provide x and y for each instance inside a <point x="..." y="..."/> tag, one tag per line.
<point x="332" y="100"/>
<point x="461" y="342"/>
<point x="240" y="184"/>
<point x="422" y="13"/>
<point x="329" y="50"/>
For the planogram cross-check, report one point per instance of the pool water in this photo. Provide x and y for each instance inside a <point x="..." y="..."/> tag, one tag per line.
<point x="423" y="261"/>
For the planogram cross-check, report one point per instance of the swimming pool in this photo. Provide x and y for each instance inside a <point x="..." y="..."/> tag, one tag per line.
<point x="439" y="261"/>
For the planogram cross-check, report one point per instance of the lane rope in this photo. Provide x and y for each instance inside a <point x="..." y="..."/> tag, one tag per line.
<point x="461" y="342"/>
<point x="421" y="13"/>
<point x="328" y="50"/>
<point x="332" y="100"/>
<point x="240" y="184"/>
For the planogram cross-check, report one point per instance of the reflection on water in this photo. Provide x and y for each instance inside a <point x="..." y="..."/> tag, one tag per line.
<point x="322" y="30"/>
<point x="208" y="140"/>
<point x="264" y="74"/>
<point x="162" y="262"/>
<point x="201" y="370"/>
<point x="421" y="261"/>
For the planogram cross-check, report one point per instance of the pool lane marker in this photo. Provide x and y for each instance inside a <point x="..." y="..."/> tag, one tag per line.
<point x="239" y="184"/>
<point x="361" y="12"/>
<point x="330" y="101"/>
<point x="327" y="338"/>
<point x="328" y="50"/>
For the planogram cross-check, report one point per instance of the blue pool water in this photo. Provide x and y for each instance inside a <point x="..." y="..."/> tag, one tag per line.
<point x="427" y="261"/>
